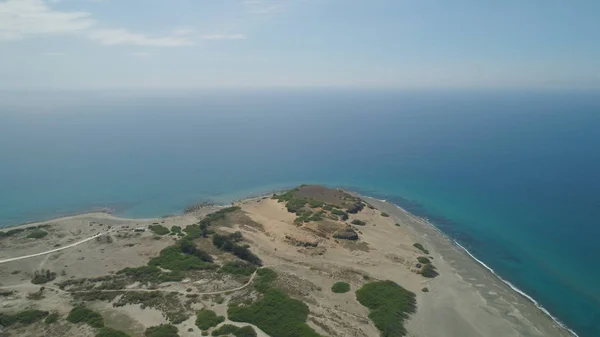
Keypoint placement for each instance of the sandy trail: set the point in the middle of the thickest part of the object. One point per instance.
(53, 250)
(27, 285)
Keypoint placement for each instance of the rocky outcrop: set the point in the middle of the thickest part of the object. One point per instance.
(301, 242)
(346, 234)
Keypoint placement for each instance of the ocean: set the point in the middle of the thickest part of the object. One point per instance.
(512, 176)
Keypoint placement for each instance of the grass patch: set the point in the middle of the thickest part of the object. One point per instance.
(206, 319)
(429, 271)
(159, 229)
(108, 332)
(43, 276)
(37, 234)
(389, 305)
(340, 287)
(238, 268)
(358, 222)
(423, 260)
(24, 317)
(421, 248)
(163, 330)
(81, 314)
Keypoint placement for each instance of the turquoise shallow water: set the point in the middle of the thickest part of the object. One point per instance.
(512, 176)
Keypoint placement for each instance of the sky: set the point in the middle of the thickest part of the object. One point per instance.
(91, 44)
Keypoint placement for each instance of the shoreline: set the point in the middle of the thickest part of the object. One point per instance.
(515, 289)
(106, 213)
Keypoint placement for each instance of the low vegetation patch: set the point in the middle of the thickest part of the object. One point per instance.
(340, 287)
(163, 330)
(206, 319)
(108, 332)
(385, 215)
(81, 314)
(343, 215)
(423, 260)
(276, 314)
(429, 271)
(37, 234)
(229, 243)
(389, 306)
(43, 276)
(183, 256)
(176, 230)
(421, 248)
(52, 318)
(24, 317)
(229, 329)
(238, 268)
(358, 222)
(159, 229)
(151, 274)
(168, 303)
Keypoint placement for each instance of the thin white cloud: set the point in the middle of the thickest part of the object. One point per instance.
(28, 18)
(223, 37)
(20, 19)
(113, 37)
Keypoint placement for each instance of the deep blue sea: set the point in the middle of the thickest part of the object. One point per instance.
(514, 176)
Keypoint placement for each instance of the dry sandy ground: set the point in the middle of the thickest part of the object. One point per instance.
(464, 301)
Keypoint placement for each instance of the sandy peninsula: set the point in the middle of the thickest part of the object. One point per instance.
(331, 237)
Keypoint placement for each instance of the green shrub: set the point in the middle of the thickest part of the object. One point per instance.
(355, 208)
(384, 214)
(421, 248)
(204, 333)
(108, 332)
(206, 319)
(43, 276)
(423, 260)
(264, 278)
(389, 306)
(328, 207)
(340, 287)
(425, 290)
(343, 215)
(226, 329)
(151, 274)
(163, 330)
(37, 234)
(173, 258)
(276, 314)
(397, 224)
(52, 318)
(176, 230)
(23, 317)
(246, 331)
(315, 203)
(429, 271)
(238, 268)
(295, 205)
(358, 222)
(159, 229)
(228, 243)
(81, 314)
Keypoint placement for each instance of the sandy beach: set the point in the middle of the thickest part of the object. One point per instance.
(465, 300)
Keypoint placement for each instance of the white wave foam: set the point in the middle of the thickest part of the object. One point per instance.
(514, 288)
(519, 291)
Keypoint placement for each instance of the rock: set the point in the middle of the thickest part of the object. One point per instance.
(346, 234)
